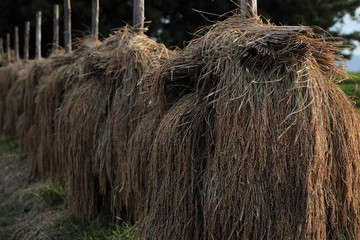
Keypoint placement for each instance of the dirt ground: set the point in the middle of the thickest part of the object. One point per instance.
(25, 211)
(40, 210)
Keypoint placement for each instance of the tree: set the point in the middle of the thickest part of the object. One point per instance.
(322, 13)
(173, 22)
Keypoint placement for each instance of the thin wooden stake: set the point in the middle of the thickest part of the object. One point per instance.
(248, 7)
(56, 27)
(26, 41)
(95, 19)
(1, 47)
(38, 36)
(139, 15)
(8, 50)
(67, 42)
(16, 44)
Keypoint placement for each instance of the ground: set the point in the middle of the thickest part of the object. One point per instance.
(39, 209)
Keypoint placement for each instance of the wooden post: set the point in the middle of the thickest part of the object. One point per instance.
(67, 42)
(1, 47)
(139, 15)
(26, 41)
(95, 20)
(38, 36)
(248, 7)
(56, 27)
(16, 44)
(8, 50)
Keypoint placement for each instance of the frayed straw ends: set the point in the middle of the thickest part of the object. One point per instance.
(253, 139)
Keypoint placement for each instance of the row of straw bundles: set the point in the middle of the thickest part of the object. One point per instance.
(249, 137)
(8, 77)
(59, 75)
(98, 116)
(74, 114)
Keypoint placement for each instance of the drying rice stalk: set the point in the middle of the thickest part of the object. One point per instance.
(109, 79)
(50, 80)
(14, 101)
(57, 79)
(8, 76)
(250, 137)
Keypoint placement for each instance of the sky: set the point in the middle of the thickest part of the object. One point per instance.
(349, 25)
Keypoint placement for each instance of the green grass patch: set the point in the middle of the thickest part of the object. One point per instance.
(53, 194)
(8, 146)
(124, 232)
(351, 88)
(95, 229)
(78, 228)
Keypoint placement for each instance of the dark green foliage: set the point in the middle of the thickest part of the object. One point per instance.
(171, 21)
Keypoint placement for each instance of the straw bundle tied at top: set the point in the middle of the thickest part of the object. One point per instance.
(107, 96)
(8, 76)
(249, 137)
(14, 118)
(61, 72)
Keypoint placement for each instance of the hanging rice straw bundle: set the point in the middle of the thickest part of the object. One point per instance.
(40, 158)
(8, 76)
(250, 137)
(60, 72)
(25, 126)
(130, 103)
(14, 101)
(85, 118)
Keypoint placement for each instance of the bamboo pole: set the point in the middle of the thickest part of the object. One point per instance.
(95, 20)
(67, 42)
(38, 36)
(248, 7)
(26, 41)
(1, 47)
(8, 50)
(56, 27)
(16, 44)
(139, 15)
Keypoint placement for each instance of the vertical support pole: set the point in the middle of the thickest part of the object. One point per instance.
(8, 50)
(248, 7)
(38, 36)
(139, 15)
(95, 20)
(67, 42)
(16, 44)
(1, 47)
(56, 27)
(26, 41)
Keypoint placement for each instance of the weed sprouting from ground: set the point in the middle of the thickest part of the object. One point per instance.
(95, 229)
(53, 194)
(41, 209)
(7, 146)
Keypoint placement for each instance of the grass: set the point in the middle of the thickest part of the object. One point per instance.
(52, 204)
(350, 87)
(79, 229)
(52, 194)
(95, 229)
(8, 146)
